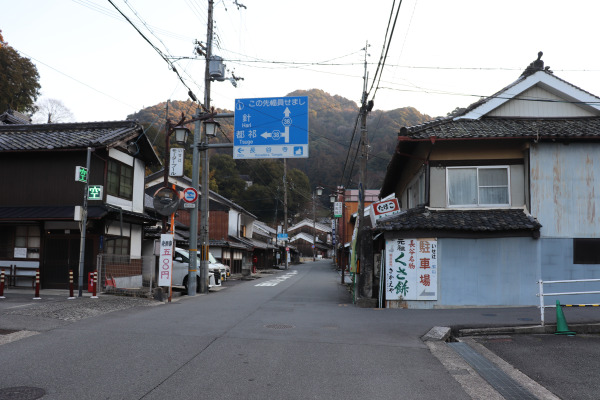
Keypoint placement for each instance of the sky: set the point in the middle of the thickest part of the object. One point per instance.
(442, 54)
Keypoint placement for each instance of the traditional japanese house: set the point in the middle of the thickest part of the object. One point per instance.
(496, 198)
(42, 196)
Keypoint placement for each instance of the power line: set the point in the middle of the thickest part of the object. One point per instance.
(162, 55)
(110, 13)
(389, 42)
(76, 80)
(591, 103)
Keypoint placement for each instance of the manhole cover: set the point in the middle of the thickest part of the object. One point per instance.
(279, 326)
(489, 315)
(21, 393)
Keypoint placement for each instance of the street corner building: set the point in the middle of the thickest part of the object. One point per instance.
(495, 198)
(44, 170)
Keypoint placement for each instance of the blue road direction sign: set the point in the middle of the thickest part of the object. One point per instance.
(271, 127)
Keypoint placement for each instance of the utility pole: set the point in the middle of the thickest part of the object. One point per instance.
(83, 228)
(204, 200)
(364, 242)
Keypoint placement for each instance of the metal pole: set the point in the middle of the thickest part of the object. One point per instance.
(541, 294)
(84, 222)
(343, 236)
(285, 221)
(204, 200)
(193, 248)
(314, 228)
(167, 161)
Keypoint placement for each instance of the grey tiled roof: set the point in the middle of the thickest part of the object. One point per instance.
(492, 220)
(64, 136)
(532, 128)
(14, 117)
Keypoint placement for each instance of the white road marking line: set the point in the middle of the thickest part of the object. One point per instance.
(277, 280)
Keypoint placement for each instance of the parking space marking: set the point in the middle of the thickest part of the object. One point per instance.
(277, 280)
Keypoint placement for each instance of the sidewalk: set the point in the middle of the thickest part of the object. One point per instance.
(19, 311)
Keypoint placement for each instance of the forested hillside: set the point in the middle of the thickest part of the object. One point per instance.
(333, 145)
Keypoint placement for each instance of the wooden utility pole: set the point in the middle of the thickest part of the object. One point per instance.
(204, 199)
(365, 243)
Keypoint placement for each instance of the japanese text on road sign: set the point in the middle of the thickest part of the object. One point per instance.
(274, 127)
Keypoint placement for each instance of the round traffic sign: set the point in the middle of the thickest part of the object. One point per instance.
(190, 195)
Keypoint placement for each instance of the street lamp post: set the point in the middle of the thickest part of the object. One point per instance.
(319, 192)
(335, 242)
(181, 134)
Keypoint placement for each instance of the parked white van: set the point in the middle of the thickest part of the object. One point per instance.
(225, 270)
(181, 265)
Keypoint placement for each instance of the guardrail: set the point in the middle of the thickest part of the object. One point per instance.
(541, 294)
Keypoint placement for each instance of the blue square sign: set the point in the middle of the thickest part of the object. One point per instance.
(271, 127)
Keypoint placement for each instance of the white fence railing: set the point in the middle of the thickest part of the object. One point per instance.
(541, 293)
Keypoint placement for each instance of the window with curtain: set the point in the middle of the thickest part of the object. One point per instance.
(118, 246)
(28, 237)
(120, 180)
(478, 186)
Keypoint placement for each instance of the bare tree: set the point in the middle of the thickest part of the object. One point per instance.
(51, 111)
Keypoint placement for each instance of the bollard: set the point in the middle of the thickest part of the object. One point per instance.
(94, 284)
(2, 285)
(37, 285)
(71, 296)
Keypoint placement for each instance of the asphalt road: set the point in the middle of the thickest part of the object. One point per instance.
(568, 366)
(292, 335)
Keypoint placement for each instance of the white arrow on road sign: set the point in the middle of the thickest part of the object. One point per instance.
(261, 123)
(276, 135)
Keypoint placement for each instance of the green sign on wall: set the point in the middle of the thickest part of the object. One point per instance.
(81, 174)
(95, 192)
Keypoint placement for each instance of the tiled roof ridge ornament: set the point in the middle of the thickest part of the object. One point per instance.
(535, 66)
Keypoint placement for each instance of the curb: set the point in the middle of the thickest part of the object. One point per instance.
(531, 329)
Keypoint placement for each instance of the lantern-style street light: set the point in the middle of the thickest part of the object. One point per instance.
(318, 191)
(181, 134)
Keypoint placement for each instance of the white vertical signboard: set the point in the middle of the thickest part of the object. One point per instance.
(411, 269)
(165, 261)
(176, 161)
(337, 209)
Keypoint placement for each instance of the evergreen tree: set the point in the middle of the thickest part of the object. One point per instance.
(19, 81)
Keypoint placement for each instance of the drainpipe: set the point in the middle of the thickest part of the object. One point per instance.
(428, 172)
